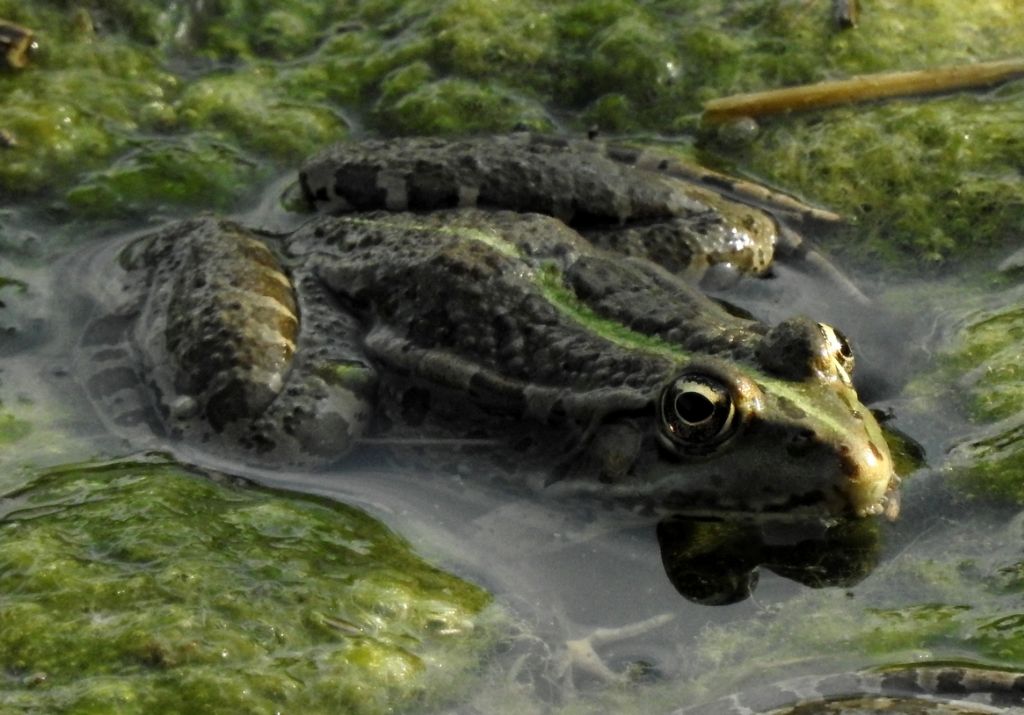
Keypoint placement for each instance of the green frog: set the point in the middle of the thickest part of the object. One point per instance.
(526, 300)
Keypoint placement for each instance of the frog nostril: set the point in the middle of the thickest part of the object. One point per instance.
(801, 442)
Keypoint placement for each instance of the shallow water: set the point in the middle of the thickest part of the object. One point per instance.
(114, 122)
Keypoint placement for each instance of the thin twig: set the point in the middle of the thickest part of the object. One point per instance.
(862, 88)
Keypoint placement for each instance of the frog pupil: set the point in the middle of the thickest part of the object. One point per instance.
(844, 346)
(694, 408)
(697, 414)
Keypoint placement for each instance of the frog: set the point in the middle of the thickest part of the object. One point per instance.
(923, 689)
(525, 301)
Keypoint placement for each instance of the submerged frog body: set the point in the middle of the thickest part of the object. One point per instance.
(921, 690)
(577, 354)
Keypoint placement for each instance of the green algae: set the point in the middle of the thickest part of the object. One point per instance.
(197, 170)
(143, 587)
(987, 361)
(977, 380)
(989, 465)
(452, 106)
(111, 74)
(247, 110)
(12, 428)
(952, 190)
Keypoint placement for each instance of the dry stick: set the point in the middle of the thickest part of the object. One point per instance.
(862, 89)
(16, 43)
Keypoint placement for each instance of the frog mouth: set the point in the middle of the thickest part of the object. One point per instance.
(823, 506)
(889, 505)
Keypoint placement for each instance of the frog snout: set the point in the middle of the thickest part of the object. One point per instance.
(868, 472)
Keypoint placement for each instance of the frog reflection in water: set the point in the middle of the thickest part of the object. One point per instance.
(525, 293)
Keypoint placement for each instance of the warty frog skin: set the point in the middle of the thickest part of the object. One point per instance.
(525, 299)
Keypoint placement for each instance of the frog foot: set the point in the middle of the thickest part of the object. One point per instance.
(583, 662)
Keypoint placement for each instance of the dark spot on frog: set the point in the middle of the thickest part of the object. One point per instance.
(236, 400)
(431, 187)
(112, 380)
(260, 442)
(848, 466)
(312, 197)
(358, 186)
(790, 408)
(415, 405)
(624, 155)
(801, 443)
(902, 682)
(718, 182)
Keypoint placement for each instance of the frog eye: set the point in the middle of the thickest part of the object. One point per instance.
(839, 347)
(697, 413)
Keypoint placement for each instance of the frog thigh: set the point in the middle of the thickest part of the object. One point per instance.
(218, 322)
(689, 245)
(112, 379)
(327, 401)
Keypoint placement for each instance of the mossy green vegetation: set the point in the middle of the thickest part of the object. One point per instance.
(12, 428)
(981, 365)
(144, 588)
(197, 170)
(921, 179)
(986, 359)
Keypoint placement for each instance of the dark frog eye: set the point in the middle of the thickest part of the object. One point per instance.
(839, 347)
(697, 413)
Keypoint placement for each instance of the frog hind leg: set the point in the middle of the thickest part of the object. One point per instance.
(112, 380)
(689, 246)
(327, 401)
(221, 346)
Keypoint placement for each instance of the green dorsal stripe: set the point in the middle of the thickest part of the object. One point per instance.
(549, 281)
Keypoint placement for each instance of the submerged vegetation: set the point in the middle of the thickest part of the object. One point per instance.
(980, 373)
